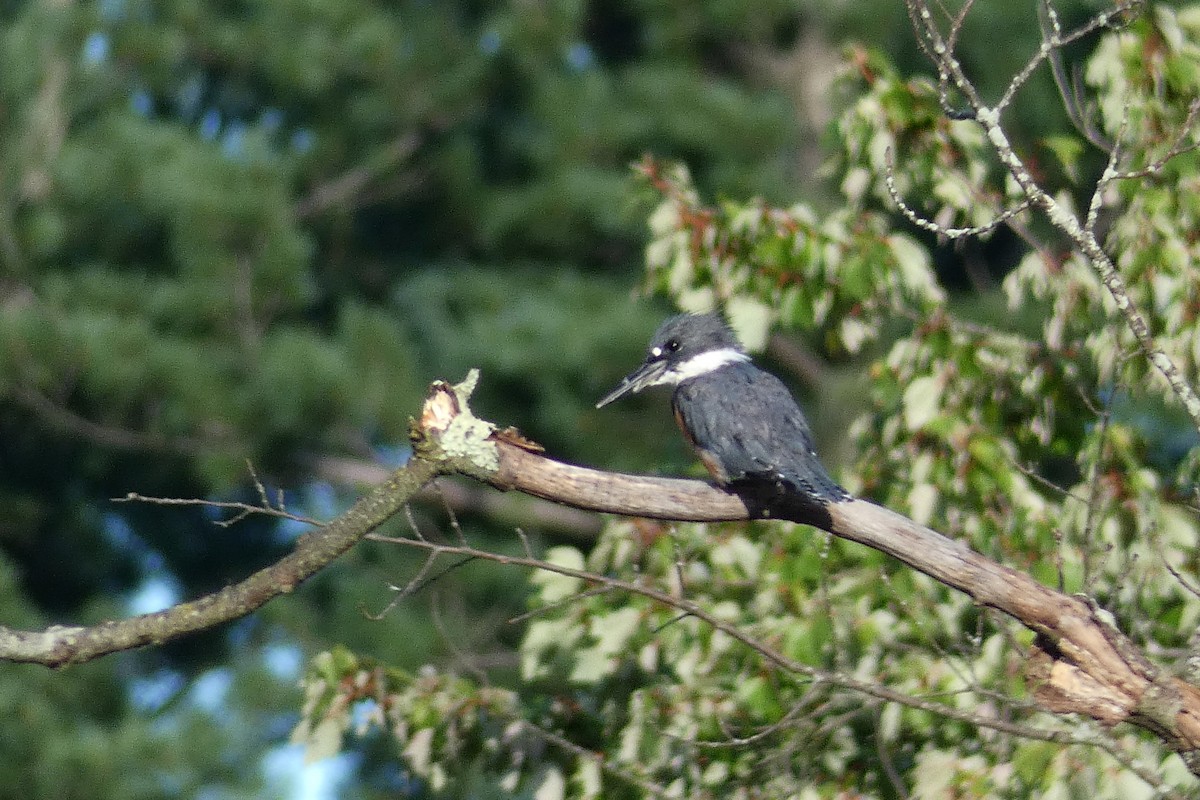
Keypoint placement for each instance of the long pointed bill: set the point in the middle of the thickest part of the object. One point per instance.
(647, 374)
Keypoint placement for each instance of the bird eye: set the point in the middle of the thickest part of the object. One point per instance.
(673, 345)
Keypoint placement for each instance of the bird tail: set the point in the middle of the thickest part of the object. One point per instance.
(813, 482)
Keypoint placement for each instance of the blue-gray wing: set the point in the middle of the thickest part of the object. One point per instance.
(748, 422)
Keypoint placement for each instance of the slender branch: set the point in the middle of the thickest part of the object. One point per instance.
(60, 645)
(815, 675)
(1080, 662)
(344, 190)
(951, 73)
(64, 419)
(778, 659)
(244, 509)
(467, 497)
(1070, 87)
(937, 228)
(1179, 145)
(1053, 40)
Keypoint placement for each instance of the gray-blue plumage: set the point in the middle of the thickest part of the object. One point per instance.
(745, 422)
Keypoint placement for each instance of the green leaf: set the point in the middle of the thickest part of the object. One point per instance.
(922, 401)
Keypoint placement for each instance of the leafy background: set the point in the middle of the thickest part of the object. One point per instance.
(254, 232)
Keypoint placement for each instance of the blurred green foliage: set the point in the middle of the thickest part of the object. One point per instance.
(254, 232)
(1036, 436)
(237, 232)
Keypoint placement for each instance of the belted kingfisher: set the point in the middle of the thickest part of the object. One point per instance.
(742, 421)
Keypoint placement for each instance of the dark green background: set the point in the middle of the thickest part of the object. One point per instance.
(255, 231)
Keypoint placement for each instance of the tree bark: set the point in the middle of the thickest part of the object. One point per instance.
(1080, 662)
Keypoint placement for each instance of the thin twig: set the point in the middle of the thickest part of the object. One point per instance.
(1179, 146)
(454, 524)
(885, 758)
(412, 522)
(791, 666)
(1091, 508)
(951, 70)
(595, 591)
(403, 591)
(1053, 41)
(244, 509)
(937, 228)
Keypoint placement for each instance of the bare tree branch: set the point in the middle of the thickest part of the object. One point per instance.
(779, 660)
(1080, 662)
(61, 644)
(467, 497)
(346, 189)
(1001, 218)
(940, 49)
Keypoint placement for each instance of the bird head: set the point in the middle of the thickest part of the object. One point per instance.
(686, 346)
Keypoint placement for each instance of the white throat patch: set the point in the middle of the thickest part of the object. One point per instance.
(701, 364)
